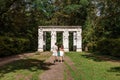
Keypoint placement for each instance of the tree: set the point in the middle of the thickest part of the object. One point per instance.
(102, 25)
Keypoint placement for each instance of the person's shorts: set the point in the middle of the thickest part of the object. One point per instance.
(61, 53)
(54, 54)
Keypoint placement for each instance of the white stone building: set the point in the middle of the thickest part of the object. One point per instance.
(77, 37)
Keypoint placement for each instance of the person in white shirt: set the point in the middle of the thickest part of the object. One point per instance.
(55, 51)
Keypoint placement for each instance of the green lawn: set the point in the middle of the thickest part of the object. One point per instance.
(90, 67)
(28, 68)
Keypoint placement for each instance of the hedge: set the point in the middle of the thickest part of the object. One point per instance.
(12, 46)
(109, 47)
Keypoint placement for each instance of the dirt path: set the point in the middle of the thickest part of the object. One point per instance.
(55, 72)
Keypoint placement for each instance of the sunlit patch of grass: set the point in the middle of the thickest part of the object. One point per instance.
(28, 68)
(92, 68)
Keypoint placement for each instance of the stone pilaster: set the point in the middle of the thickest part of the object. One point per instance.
(66, 40)
(40, 40)
(53, 38)
(79, 41)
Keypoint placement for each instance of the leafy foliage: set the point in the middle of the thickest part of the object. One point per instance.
(102, 25)
(100, 19)
(109, 47)
(10, 46)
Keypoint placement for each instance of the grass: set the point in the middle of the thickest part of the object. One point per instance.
(90, 67)
(65, 75)
(28, 68)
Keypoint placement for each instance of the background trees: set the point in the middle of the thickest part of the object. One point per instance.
(19, 20)
(101, 33)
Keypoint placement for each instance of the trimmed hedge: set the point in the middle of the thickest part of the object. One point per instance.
(11, 46)
(109, 47)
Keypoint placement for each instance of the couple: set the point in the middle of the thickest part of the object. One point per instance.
(58, 52)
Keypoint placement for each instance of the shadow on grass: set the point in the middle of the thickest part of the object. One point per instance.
(115, 69)
(91, 56)
(24, 64)
(99, 58)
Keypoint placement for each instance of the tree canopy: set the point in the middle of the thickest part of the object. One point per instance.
(19, 21)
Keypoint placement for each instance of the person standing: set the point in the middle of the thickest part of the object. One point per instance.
(61, 53)
(54, 51)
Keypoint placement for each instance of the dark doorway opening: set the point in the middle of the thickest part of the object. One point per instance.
(48, 41)
(59, 38)
(70, 41)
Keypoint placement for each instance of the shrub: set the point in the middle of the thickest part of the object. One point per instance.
(109, 47)
(11, 46)
(115, 49)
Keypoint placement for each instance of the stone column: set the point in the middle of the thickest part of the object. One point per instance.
(74, 41)
(53, 38)
(40, 40)
(79, 40)
(66, 40)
